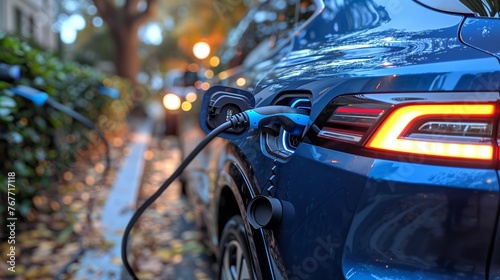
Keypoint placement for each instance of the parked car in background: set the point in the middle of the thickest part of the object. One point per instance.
(396, 175)
(178, 95)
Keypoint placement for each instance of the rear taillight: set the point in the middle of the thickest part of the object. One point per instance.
(443, 130)
(430, 124)
(351, 122)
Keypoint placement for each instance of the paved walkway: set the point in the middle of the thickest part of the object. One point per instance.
(106, 264)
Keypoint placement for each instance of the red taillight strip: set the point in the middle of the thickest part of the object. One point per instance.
(388, 135)
(361, 111)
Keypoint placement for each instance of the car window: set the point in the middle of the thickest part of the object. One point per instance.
(263, 29)
(483, 8)
(479, 8)
(345, 17)
(306, 10)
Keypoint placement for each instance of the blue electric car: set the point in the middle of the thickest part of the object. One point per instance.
(396, 174)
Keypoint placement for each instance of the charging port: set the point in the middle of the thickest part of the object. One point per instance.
(279, 143)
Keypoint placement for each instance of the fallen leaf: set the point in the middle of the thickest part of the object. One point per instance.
(35, 272)
(151, 265)
(69, 249)
(116, 260)
(164, 254)
(146, 275)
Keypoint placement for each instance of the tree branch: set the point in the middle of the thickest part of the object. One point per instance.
(130, 7)
(107, 11)
(150, 11)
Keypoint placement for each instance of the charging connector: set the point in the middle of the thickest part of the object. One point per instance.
(292, 120)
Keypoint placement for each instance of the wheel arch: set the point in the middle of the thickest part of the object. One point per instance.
(235, 192)
(227, 208)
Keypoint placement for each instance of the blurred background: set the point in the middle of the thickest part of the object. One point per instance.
(136, 39)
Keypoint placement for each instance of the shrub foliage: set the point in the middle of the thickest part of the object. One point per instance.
(40, 143)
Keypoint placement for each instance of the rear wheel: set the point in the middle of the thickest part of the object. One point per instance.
(171, 123)
(234, 262)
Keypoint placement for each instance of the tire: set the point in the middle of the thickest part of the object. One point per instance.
(234, 262)
(182, 181)
(171, 123)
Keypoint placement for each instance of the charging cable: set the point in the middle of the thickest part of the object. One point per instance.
(40, 98)
(12, 73)
(292, 120)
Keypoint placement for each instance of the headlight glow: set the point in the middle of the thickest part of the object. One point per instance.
(171, 101)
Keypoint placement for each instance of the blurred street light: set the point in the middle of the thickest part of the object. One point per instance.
(214, 61)
(186, 106)
(191, 97)
(241, 81)
(201, 50)
(171, 101)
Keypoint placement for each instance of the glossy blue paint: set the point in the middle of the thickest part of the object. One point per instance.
(409, 217)
(436, 220)
(369, 216)
(480, 33)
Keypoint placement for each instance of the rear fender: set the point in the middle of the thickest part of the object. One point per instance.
(236, 175)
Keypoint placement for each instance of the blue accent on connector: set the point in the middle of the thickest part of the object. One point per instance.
(109, 91)
(255, 118)
(37, 97)
(286, 136)
(294, 123)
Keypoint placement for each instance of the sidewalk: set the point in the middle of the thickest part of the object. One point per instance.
(118, 208)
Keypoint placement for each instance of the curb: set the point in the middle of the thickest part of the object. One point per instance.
(118, 209)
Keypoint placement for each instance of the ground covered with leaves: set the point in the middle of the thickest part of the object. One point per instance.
(165, 243)
(65, 218)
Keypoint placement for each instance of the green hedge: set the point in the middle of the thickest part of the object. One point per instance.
(39, 143)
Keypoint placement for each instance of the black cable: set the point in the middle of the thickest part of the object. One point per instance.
(235, 121)
(86, 122)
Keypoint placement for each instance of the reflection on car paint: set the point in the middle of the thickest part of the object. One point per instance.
(360, 216)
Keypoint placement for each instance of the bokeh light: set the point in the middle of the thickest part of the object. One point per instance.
(209, 74)
(241, 82)
(191, 97)
(171, 101)
(205, 86)
(214, 61)
(201, 50)
(186, 106)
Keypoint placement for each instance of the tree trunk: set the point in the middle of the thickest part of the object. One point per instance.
(127, 61)
(123, 25)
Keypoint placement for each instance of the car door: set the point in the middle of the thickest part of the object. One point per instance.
(358, 215)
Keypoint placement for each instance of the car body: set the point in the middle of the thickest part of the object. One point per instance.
(424, 205)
